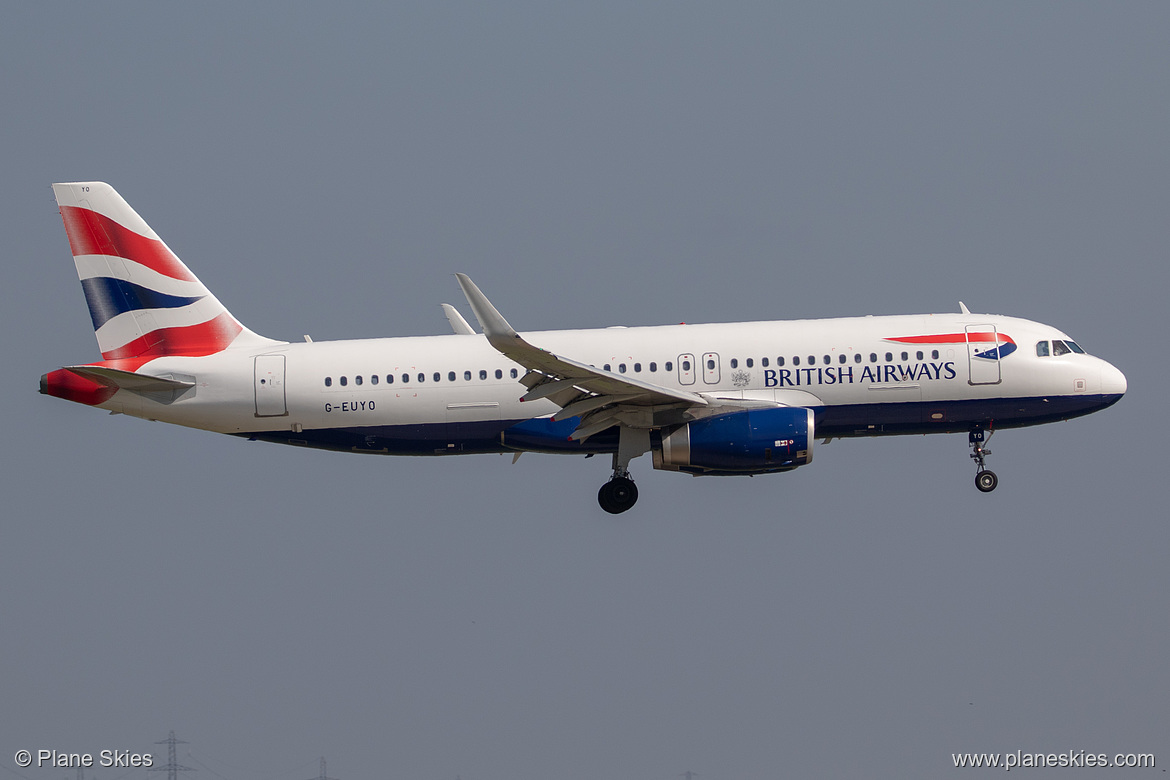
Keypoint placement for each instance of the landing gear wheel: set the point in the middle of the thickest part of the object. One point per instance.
(617, 495)
(986, 481)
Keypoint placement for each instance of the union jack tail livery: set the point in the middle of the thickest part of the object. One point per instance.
(143, 301)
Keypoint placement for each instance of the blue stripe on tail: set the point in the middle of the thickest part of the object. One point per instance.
(107, 298)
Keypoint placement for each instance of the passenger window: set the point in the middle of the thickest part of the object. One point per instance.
(889, 357)
(1059, 348)
(856, 357)
(514, 374)
(374, 379)
(466, 376)
(482, 374)
(357, 380)
(1041, 349)
(749, 362)
(764, 362)
(344, 381)
(406, 379)
(437, 376)
(637, 368)
(686, 365)
(920, 355)
(872, 357)
(812, 360)
(607, 367)
(734, 363)
(329, 381)
(905, 356)
(841, 358)
(796, 360)
(499, 374)
(710, 365)
(653, 367)
(934, 354)
(779, 361)
(828, 360)
(668, 365)
(621, 368)
(389, 379)
(450, 376)
(421, 377)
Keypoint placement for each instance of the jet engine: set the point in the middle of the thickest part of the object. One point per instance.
(752, 441)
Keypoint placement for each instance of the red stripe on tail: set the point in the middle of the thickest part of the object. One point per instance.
(91, 233)
(206, 338)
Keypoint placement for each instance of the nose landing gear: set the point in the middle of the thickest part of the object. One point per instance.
(985, 479)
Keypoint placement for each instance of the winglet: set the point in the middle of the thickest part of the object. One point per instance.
(458, 325)
(499, 333)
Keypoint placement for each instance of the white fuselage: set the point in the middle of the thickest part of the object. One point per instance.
(455, 393)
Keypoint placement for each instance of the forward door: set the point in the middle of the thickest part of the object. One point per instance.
(983, 355)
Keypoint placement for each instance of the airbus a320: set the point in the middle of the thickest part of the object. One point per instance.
(741, 398)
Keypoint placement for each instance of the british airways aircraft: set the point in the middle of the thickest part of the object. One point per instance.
(718, 399)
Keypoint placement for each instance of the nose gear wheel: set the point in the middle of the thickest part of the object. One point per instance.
(985, 479)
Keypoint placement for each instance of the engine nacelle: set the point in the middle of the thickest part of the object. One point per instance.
(752, 441)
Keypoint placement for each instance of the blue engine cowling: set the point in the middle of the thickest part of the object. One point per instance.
(754, 441)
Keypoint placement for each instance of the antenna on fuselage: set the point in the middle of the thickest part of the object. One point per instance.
(963, 308)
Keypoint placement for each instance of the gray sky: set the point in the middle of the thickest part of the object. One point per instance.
(326, 168)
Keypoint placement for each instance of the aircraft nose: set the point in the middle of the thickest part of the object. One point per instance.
(1112, 380)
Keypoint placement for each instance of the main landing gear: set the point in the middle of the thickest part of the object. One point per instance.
(617, 495)
(985, 480)
(620, 493)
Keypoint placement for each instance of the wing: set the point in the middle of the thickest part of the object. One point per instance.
(600, 398)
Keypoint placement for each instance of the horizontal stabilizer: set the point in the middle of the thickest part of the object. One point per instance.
(93, 385)
(128, 380)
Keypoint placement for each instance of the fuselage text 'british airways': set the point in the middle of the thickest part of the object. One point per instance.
(848, 375)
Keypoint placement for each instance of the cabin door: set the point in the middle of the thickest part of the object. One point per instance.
(269, 381)
(983, 355)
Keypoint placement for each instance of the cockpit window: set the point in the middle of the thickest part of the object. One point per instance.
(1075, 347)
(1059, 348)
(1041, 349)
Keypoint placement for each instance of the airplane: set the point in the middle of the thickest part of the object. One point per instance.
(736, 398)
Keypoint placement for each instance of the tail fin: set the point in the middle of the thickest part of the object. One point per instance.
(143, 301)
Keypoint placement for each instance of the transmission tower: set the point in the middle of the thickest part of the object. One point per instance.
(172, 767)
(323, 776)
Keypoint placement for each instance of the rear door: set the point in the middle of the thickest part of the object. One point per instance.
(269, 381)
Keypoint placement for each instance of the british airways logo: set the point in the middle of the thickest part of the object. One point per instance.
(985, 345)
(848, 375)
(1000, 345)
